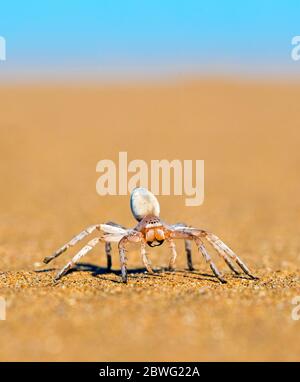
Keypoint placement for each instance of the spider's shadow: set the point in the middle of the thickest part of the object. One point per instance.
(209, 276)
(96, 271)
(158, 272)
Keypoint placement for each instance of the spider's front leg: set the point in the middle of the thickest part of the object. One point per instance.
(108, 244)
(108, 255)
(227, 253)
(173, 255)
(188, 250)
(87, 248)
(184, 234)
(112, 232)
(222, 249)
(133, 237)
(88, 231)
(187, 246)
(145, 258)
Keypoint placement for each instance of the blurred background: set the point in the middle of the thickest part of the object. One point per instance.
(84, 80)
(123, 40)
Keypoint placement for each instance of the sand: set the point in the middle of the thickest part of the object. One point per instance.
(51, 140)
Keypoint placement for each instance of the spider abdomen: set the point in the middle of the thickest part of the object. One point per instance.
(143, 203)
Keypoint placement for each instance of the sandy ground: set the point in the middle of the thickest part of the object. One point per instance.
(52, 138)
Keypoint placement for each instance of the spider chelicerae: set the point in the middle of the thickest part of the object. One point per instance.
(150, 230)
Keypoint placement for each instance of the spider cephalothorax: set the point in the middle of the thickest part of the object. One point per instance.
(152, 231)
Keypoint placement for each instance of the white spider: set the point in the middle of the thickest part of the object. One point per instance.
(152, 231)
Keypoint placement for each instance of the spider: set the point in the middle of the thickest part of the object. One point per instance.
(152, 231)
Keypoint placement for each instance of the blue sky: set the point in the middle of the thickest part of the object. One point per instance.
(130, 37)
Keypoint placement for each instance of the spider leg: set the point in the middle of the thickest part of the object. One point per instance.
(91, 244)
(108, 246)
(187, 245)
(72, 242)
(173, 255)
(133, 236)
(188, 250)
(108, 255)
(208, 259)
(221, 253)
(227, 253)
(222, 249)
(185, 234)
(145, 258)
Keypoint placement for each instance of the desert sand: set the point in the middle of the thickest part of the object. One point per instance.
(51, 140)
